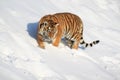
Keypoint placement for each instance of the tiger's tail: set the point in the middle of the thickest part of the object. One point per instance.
(88, 44)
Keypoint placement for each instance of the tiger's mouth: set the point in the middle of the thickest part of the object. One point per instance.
(47, 39)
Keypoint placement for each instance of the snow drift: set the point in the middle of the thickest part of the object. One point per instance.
(22, 59)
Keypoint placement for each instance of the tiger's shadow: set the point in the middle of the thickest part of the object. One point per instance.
(32, 29)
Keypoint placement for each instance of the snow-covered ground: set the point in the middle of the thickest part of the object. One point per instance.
(22, 59)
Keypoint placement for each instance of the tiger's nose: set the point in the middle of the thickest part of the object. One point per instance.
(45, 37)
(44, 33)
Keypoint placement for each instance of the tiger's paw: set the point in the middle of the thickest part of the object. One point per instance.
(75, 47)
(41, 46)
(55, 44)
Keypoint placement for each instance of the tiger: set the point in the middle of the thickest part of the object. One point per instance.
(55, 27)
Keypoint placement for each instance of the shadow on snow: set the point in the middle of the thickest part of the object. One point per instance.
(32, 29)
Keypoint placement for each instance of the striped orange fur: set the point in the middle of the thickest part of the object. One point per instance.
(54, 27)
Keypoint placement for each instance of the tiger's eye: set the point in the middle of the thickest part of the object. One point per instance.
(45, 23)
(49, 28)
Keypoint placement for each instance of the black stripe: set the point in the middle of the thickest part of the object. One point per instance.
(73, 36)
(41, 25)
(91, 44)
(97, 41)
(81, 38)
(67, 23)
(76, 36)
(83, 42)
(86, 45)
(94, 42)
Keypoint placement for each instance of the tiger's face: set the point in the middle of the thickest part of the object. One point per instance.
(48, 30)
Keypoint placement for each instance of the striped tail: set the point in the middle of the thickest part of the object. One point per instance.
(88, 44)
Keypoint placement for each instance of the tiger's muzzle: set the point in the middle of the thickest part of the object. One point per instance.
(46, 38)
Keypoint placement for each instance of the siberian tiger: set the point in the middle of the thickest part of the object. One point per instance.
(53, 28)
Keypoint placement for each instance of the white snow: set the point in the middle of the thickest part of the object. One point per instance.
(22, 59)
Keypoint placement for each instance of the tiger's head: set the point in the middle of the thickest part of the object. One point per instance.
(48, 30)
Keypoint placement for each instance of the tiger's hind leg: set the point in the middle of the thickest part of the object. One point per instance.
(69, 42)
(76, 42)
(75, 45)
(72, 44)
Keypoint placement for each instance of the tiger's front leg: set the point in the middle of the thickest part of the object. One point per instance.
(40, 41)
(57, 39)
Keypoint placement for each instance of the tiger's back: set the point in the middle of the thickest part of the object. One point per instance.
(70, 27)
(71, 24)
